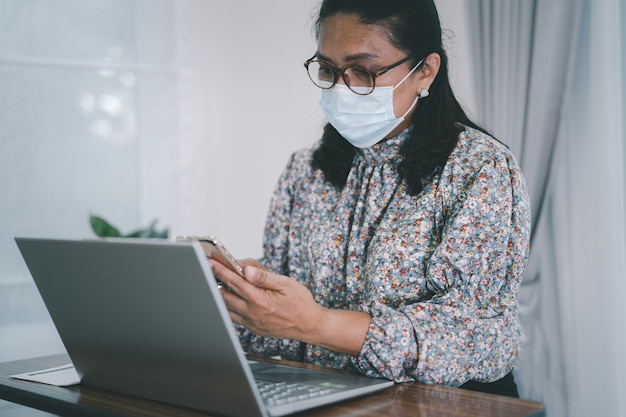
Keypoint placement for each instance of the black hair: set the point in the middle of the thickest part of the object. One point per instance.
(413, 27)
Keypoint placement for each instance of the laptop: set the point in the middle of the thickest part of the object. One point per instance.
(144, 317)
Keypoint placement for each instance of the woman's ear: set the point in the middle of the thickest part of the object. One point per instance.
(428, 72)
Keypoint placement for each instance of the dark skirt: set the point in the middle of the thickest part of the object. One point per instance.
(505, 386)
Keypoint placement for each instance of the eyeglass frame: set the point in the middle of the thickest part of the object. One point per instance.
(341, 72)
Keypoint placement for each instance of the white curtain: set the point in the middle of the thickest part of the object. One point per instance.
(523, 52)
(550, 84)
(587, 216)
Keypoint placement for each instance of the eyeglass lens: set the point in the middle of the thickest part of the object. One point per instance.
(357, 79)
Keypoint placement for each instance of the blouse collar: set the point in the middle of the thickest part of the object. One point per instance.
(383, 151)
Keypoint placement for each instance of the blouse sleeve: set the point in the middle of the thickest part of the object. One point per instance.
(469, 328)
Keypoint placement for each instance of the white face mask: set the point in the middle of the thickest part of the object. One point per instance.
(363, 120)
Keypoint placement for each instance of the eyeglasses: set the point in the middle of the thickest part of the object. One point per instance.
(358, 79)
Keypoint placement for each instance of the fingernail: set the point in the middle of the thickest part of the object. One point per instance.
(251, 272)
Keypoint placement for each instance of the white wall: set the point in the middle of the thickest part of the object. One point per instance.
(454, 22)
(258, 123)
(73, 76)
(259, 108)
(179, 110)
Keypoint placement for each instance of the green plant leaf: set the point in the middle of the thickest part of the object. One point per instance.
(150, 232)
(163, 234)
(102, 228)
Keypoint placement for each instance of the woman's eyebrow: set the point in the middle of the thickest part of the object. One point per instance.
(349, 58)
(361, 55)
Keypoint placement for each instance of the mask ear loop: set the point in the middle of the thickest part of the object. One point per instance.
(407, 76)
(412, 105)
(422, 94)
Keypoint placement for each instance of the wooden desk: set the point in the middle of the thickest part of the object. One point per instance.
(415, 399)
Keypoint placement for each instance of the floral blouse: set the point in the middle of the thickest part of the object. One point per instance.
(438, 273)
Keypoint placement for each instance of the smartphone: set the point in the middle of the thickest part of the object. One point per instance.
(213, 248)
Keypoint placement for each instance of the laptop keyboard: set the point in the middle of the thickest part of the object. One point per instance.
(278, 393)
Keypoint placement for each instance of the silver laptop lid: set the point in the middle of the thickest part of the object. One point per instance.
(144, 318)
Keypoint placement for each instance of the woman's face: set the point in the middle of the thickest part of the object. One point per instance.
(344, 41)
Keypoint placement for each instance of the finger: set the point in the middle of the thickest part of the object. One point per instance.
(250, 262)
(262, 278)
(232, 300)
(248, 288)
(235, 305)
(236, 318)
(230, 279)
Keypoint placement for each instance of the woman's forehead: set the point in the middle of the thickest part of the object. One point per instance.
(344, 39)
